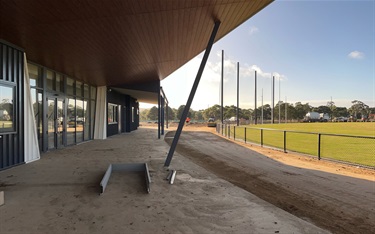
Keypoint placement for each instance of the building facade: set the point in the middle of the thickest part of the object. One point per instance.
(75, 71)
(63, 110)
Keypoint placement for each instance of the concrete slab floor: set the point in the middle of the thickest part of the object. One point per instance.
(60, 194)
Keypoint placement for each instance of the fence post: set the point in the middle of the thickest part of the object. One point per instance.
(229, 131)
(234, 133)
(284, 141)
(319, 137)
(245, 135)
(261, 137)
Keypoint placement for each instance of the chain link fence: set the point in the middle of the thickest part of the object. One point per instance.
(349, 149)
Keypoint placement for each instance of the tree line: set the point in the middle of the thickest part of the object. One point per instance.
(296, 111)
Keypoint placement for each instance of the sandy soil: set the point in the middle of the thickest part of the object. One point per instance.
(290, 158)
(333, 196)
(60, 194)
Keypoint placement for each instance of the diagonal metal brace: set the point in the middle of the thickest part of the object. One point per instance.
(191, 96)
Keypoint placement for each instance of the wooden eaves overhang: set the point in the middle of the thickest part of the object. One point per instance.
(118, 42)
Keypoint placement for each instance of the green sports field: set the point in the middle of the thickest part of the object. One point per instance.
(356, 146)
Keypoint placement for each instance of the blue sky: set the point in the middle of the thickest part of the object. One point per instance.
(316, 50)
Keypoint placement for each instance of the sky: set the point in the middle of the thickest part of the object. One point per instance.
(318, 51)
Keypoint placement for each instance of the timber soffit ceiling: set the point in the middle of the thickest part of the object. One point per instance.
(118, 42)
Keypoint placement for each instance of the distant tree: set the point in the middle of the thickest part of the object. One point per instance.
(331, 105)
(180, 110)
(279, 106)
(340, 112)
(322, 109)
(230, 111)
(143, 114)
(246, 113)
(291, 111)
(171, 113)
(266, 112)
(153, 113)
(212, 112)
(198, 115)
(359, 109)
(301, 110)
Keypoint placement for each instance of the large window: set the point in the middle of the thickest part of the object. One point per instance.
(55, 81)
(112, 113)
(86, 120)
(37, 98)
(79, 89)
(133, 115)
(6, 108)
(71, 121)
(80, 120)
(70, 86)
(78, 114)
(36, 84)
(92, 109)
(35, 75)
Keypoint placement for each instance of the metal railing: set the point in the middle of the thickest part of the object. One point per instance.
(349, 149)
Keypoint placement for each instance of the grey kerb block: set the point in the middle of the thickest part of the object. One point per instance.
(129, 167)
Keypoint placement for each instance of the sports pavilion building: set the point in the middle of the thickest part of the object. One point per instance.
(73, 71)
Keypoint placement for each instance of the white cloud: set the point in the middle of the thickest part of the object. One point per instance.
(253, 30)
(178, 85)
(356, 55)
(260, 72)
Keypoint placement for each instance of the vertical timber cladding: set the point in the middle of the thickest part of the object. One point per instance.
(129, 116)
(11, 106)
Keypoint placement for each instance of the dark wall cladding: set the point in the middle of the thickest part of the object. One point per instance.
(11, 75)
(127, 103)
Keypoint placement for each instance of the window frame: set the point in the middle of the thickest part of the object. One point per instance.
(112, 108)
(12, 129)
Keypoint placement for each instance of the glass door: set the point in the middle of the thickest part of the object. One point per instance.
(56, 119)
(51, 116)
(60, 123)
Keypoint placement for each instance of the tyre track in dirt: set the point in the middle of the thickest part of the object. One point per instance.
(337, 203)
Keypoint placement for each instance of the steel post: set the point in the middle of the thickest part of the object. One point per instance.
(222, 87)
(191, 96)
(167, 113)
(162, 115)
(245, 134)
(238, 94)
(255, 102)
(273, 100)
(159, 111)
(319, 139)
(284, 141)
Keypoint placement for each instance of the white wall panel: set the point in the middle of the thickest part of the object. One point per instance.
(30, 136)
(100, 129)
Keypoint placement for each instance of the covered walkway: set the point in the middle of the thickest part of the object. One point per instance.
(60, 193)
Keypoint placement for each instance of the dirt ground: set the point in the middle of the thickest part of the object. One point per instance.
(334, 196)
(60, 194)
(290, 158)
